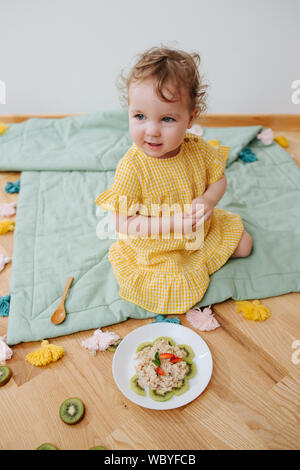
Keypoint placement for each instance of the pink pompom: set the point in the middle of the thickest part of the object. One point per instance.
(100, 341)
(266, 136)
(196, 129)
(202, 320)
(91, 344)
(5, 351)
(6, 210)
(3, 261)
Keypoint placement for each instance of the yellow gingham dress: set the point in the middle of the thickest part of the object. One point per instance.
(169, 274)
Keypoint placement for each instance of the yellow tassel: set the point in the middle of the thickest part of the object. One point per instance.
(3, 128)
(6, 225)
(213, 143)
(281, 140)
(253, 310)
(46, 354)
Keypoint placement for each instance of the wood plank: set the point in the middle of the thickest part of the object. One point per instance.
(275, 121)
(288, 122)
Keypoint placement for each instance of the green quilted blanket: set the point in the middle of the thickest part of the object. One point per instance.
(59, 230)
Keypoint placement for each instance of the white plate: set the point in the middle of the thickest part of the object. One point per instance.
(123, 363)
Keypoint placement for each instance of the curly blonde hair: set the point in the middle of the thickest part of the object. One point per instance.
(168, 65)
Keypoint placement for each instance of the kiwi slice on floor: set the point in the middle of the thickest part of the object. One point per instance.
(192, 370)
(47, 446)
(143, 346)
(71, 410)
(182, 387)
(135, 386)
(188, 352)
(114, 346)
(5, 375)
(170, 340)
(98, 448)
(159, 396)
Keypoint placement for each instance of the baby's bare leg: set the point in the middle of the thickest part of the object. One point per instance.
(244, 247)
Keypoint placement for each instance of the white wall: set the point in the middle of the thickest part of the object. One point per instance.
(63, 56)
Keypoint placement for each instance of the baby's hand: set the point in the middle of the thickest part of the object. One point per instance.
(207, 206)
(187, 223)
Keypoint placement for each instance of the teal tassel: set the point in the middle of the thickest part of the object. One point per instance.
(4, 306)
(247, 155)
(11, 187)
(162, 318)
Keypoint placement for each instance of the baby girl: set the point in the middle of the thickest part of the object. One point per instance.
(170, 235)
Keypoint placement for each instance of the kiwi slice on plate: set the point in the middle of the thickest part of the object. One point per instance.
(143, 346)
(155, 395)
(192, 370)
(188, 352)
(5, 375)
(98, 448)
(114, 346)
(136, 387)
(72, 410)
(47, 446)
(182, 387)
(170, 340)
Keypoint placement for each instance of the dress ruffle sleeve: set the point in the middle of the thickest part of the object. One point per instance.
(125, 194)
(215, 161)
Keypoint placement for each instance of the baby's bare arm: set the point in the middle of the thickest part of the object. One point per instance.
(140, 225)
(208, 201)
(215, 191)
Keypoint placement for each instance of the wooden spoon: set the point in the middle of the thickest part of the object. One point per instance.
(60, 313)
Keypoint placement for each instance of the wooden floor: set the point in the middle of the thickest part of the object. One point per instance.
(252, 401)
